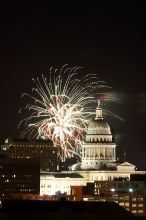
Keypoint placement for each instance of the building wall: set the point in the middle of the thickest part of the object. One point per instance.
(103, 175)
(120, 186)
(77, 193)
(19, 175)
(106, 175)
(49, 185)
(26, 149)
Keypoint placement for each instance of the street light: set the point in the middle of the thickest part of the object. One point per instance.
(112, 189)
(130, 190)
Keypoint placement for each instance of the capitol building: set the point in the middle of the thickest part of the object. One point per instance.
(98, 161)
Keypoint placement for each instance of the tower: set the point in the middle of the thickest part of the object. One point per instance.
(98, 149)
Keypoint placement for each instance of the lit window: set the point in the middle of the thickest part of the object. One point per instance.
(140, 211)
(121, 197)
(114, 196)
(133, 205)
(140, 199)
(140, 205)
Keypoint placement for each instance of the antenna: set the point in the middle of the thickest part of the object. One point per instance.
(125, 154)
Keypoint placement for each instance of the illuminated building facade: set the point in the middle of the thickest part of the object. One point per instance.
(42, 150)
(59, 183)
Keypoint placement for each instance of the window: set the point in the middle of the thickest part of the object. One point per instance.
(133, 211)
(115, 196)
(85, 199)
(121, 197)
(140, 199)
(140, 205)
(134, 199)
(140, 211)
(121, 203)
(133, 205)
(126, 203)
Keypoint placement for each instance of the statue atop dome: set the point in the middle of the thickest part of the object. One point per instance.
(98, 101)
(98, 111)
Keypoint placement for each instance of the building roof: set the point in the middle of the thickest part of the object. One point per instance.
(126, 164)
(62, 175)
(10, 140)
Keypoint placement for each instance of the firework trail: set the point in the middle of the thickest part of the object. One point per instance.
(60, 109)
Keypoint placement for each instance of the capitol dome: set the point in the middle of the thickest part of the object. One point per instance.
(98, 126)
(98, 129)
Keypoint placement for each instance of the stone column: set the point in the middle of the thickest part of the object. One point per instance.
(99, 152)
(94, 152)
(114, 153)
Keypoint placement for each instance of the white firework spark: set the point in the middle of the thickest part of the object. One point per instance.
(61, 108)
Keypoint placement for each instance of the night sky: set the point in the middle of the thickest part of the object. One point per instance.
(108, 41)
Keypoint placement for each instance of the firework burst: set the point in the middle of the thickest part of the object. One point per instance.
(61, 106)
(60, 109)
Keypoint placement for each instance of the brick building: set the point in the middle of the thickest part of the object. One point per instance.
(128, 194)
